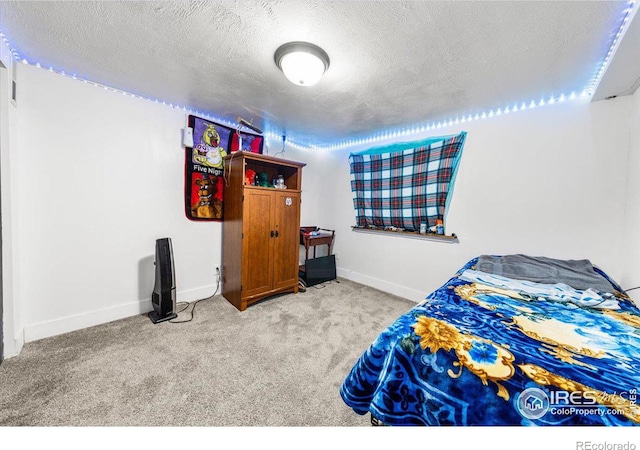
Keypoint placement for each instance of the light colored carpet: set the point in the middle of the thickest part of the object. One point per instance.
(279, 363)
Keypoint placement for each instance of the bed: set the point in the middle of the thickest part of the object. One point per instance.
(509, 340)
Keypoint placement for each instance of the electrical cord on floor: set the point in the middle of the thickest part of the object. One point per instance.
(195, 304)
(323, 285)
(302, 285)
(183, 309)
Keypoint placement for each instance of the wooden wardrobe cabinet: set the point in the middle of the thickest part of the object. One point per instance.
(261, 229)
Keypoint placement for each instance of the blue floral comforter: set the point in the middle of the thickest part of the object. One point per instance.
(480, 354)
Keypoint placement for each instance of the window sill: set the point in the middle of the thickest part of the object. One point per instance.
(449, 239)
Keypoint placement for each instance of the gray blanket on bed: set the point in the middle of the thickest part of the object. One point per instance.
(578, 274)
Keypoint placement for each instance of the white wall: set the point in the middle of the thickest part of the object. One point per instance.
(548, 181)
(13, 337)
(100, 177)
(631, 255)
(97, 177)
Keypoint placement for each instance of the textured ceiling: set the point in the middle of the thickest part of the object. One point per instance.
(393, 63)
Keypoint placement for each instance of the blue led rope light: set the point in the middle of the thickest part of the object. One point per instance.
(628, 14)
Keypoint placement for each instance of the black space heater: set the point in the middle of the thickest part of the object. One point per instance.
(163, 297)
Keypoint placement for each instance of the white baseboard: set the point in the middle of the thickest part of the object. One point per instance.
(34, 332)
(191, 295)
(382, 285)
(13, 347)
(19, 341)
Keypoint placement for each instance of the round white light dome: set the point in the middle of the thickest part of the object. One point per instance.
(302, 63)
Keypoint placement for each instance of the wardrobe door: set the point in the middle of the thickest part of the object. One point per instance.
(257, 242)
(287, 240)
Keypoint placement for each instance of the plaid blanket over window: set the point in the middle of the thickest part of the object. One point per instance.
(404, 187)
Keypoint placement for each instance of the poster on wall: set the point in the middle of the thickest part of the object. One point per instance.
(204, 165)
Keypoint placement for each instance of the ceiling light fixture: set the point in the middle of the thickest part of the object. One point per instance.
(302, 63)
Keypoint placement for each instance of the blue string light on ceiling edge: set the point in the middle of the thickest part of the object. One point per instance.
(628, 13)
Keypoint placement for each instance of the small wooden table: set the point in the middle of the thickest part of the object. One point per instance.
(324, 237)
